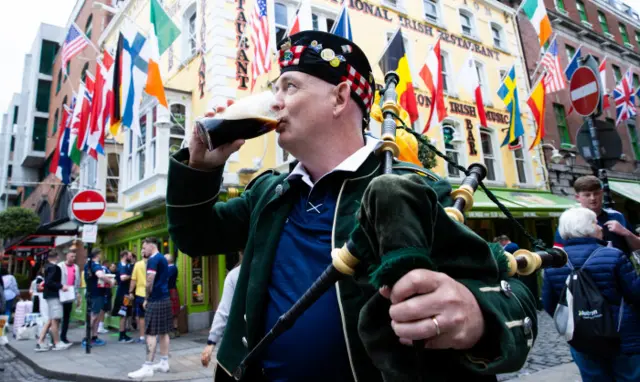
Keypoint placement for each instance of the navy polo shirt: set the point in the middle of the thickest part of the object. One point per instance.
(91, 280)
(616, 240)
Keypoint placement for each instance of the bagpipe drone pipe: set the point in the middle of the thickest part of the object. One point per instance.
(411, 222)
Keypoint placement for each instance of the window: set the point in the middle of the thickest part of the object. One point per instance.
(15, 114)
(113, 177)
(466, 21)
(152, 141)
(13, 144)
(488, 152)
(571, 51)
(55, 122)
(561, 120)
(454, 146)
(636, 81)
(43, 95)
(521, 165)
(482, 80)
(9, 171)
(83, 76)
(616, 72)
(633, 135)
(392, 3)
(68, 70)
(47, 56)
(130, 158)
(282, 21)
(322, 22)
(89, 27)
(39, 138)
(496, 33)
(64, 102)
(638, 38)
(581, 10)
(141, 147)
(560, 5)
(176, 133)
(431, 12)
(444, 57)
(623, 32)
(603, 22)
(59, 82)
(90, 172)
(503, 73)
(189, 26)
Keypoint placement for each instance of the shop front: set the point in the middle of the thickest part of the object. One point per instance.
(626, 198)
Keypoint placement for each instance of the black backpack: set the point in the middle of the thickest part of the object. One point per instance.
(583, 315)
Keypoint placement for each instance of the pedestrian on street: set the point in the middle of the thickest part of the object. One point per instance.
(11, 292)
(70, 278)
(157, 305)
(97, 281)
(137, 293)
(173, 293)
(52, 286)
(288, 224)
(615, 227)
(615, 277)
(123, 280)
(219, 322)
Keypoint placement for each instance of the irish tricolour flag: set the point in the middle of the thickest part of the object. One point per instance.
(537, 14)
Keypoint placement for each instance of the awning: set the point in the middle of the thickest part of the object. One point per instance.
(630, 190)
(44, 237)
(528, 204)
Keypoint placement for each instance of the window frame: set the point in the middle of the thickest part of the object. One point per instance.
(323, 17)
(502, 45)
(623, 33)
(582, 11)
(445, 63)
(111, 177)
(188, 39)
(570, 51)
(277, 25)
(602, 20)
(494, 155)
(524, 160)
(560, 6)
(172, 134)
(458, 148)
(472, 21)
(563, 128)
(481, 72)
(438, 11)
(88, 27)
(617, 73)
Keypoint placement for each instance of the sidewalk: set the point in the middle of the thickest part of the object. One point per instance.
(114, 361)
(562, 373)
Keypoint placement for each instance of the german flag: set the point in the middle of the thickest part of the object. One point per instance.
(395, 58)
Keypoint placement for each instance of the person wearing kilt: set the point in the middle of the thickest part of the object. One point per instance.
(158, 316)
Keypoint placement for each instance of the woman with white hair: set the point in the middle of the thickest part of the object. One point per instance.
(616, 279)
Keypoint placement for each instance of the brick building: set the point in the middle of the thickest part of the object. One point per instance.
(601, 28)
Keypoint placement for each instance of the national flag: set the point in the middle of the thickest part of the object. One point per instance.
(537, 15)
(61, 162)
(55, 156)
(469, 79)
(603, 81)
(508, 92)
(573, 64)
(101, 107)
(116, 110)
(260, 40)
(551, 64)
(73, 44)
(302, 19)
(79, 126)
(536, 103)
(75, 125)
(342, 25)
(625, 98)
(431, 74)
(395, 58)
(164, 32)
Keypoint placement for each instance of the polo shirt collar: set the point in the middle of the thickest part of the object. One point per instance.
(351, 164)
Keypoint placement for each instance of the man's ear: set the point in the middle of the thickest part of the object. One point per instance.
(342, 93)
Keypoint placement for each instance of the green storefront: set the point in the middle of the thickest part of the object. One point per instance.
(200, 278)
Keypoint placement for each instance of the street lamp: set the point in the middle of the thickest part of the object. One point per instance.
(556, 157)
(105, 7)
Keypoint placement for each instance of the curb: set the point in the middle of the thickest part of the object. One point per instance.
(57, 374)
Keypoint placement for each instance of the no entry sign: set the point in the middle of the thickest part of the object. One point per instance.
(88, 206)
(584, 91)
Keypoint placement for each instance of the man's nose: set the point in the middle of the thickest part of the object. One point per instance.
(278, 105)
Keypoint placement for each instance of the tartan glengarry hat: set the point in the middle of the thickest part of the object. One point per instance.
(331, 58)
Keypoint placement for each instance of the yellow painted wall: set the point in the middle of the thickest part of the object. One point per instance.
(371, 22)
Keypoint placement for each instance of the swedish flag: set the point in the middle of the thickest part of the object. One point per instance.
(508, 92)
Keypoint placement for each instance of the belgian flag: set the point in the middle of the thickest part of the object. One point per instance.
(395, 58)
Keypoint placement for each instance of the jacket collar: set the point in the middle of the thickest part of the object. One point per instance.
(585, 240)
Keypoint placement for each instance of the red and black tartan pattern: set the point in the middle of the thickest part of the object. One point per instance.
(360, 86)
(296, 51)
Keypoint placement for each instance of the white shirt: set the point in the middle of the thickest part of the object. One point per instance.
(351, 164)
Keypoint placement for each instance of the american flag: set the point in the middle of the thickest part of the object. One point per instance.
(554, 80)
(73, 44)
(625, 98)
(260, 40)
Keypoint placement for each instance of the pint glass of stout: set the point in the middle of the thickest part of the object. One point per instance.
(249, 118)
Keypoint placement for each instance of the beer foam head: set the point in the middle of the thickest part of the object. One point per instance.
(258, 105)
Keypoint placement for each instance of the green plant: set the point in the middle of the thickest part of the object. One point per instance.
(23, 281)
(427, 157)
(18, 221)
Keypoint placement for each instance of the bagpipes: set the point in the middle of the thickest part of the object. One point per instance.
(455, 250)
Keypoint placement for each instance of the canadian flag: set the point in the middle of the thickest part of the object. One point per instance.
(468, 78)
(431, 74)
(603, 80)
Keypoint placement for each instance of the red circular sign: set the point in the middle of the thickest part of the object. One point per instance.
(584, 91)
(88, 206)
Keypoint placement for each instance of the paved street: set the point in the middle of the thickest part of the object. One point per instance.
(17, 371)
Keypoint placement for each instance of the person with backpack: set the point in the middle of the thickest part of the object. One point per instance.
(595, 301)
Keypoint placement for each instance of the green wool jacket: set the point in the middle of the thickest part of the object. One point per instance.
(253, 222)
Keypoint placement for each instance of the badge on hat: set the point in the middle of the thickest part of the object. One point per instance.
(327, 54)
(286, 45)
(315, 46)
(347, 49)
